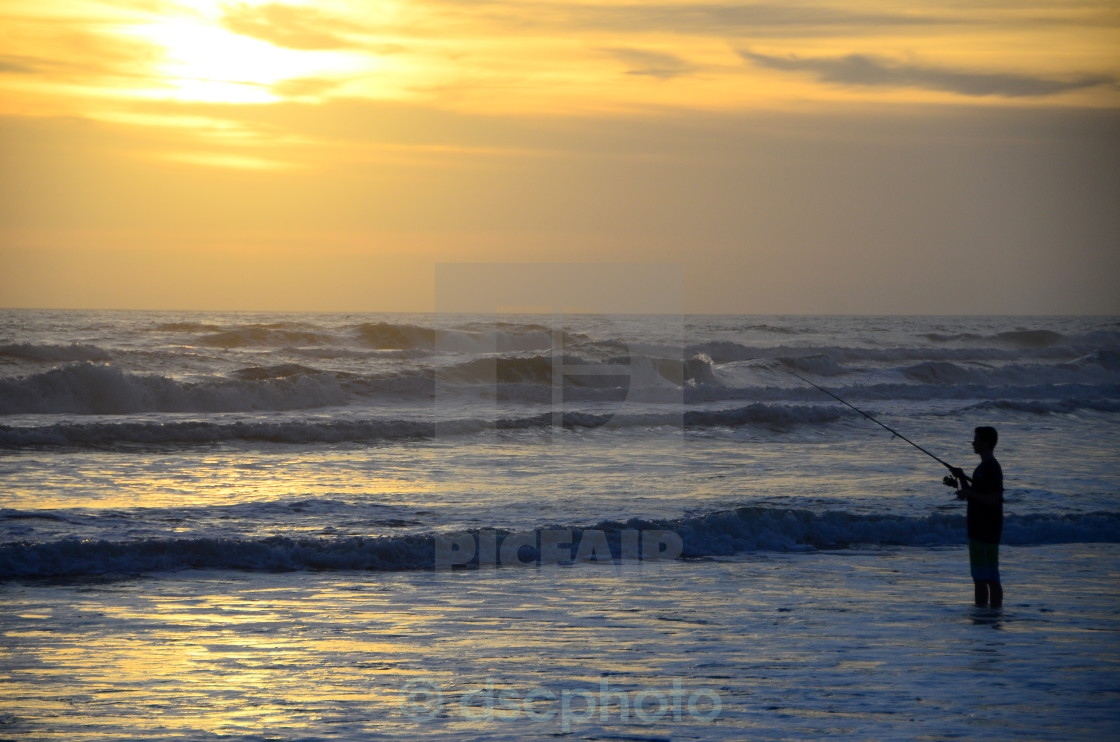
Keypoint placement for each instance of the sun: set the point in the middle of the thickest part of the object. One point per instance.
(203, 61)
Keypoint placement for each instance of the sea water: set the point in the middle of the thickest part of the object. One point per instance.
(231, 525)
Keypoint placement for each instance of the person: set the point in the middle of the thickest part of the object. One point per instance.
(984, 493)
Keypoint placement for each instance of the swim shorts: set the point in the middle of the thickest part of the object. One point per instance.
(983, 558)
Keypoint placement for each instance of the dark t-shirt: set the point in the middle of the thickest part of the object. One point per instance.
(985, 522)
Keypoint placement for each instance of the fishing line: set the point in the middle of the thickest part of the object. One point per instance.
(892, 430)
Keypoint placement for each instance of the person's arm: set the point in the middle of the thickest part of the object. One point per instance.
(967, 491)
(985, 494)
(983, 498)
(962, 479)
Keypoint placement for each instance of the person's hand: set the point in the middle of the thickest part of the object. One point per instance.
(957, 472)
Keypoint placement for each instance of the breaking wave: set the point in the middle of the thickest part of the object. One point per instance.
(110, 434)
(55, 353)
(745, 529)
(279, 334)
(187, 327)
(1101, 367)
(86, 388)
(1049, 407)
(725, 351)
(100, 389)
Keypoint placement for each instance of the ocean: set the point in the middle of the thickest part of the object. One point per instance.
(283, 526)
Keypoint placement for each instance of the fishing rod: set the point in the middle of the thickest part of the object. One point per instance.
(892, 430)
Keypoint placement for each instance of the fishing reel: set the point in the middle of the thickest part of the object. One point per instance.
(949, 481)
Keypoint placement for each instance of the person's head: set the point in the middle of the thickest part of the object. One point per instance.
(985, 439)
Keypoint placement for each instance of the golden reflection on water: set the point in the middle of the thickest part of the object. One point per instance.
(305, 654)
(109, 480)
(232, 656)
(214, 662)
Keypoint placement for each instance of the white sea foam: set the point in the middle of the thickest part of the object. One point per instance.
(202, 365)
(182, 384)
(747, 529)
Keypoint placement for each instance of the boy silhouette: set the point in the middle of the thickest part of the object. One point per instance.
(984, 493)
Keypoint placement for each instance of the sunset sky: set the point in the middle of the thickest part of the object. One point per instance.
(791, 157)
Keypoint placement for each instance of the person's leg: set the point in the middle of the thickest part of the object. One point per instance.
(976, 566)
(980, 593)
(995, 587)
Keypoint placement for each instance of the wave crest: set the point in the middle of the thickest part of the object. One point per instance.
(278, 334)
(744, 529)
(47, 352)
(101, 389)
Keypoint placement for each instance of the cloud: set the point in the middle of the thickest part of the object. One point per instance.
(18, 65)
(226, 160)
(652, 64)
(79, 54)
(707, 19)
(304, 87)
(860, 69)
(290, 27)
(775, 19)
(721, 19)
